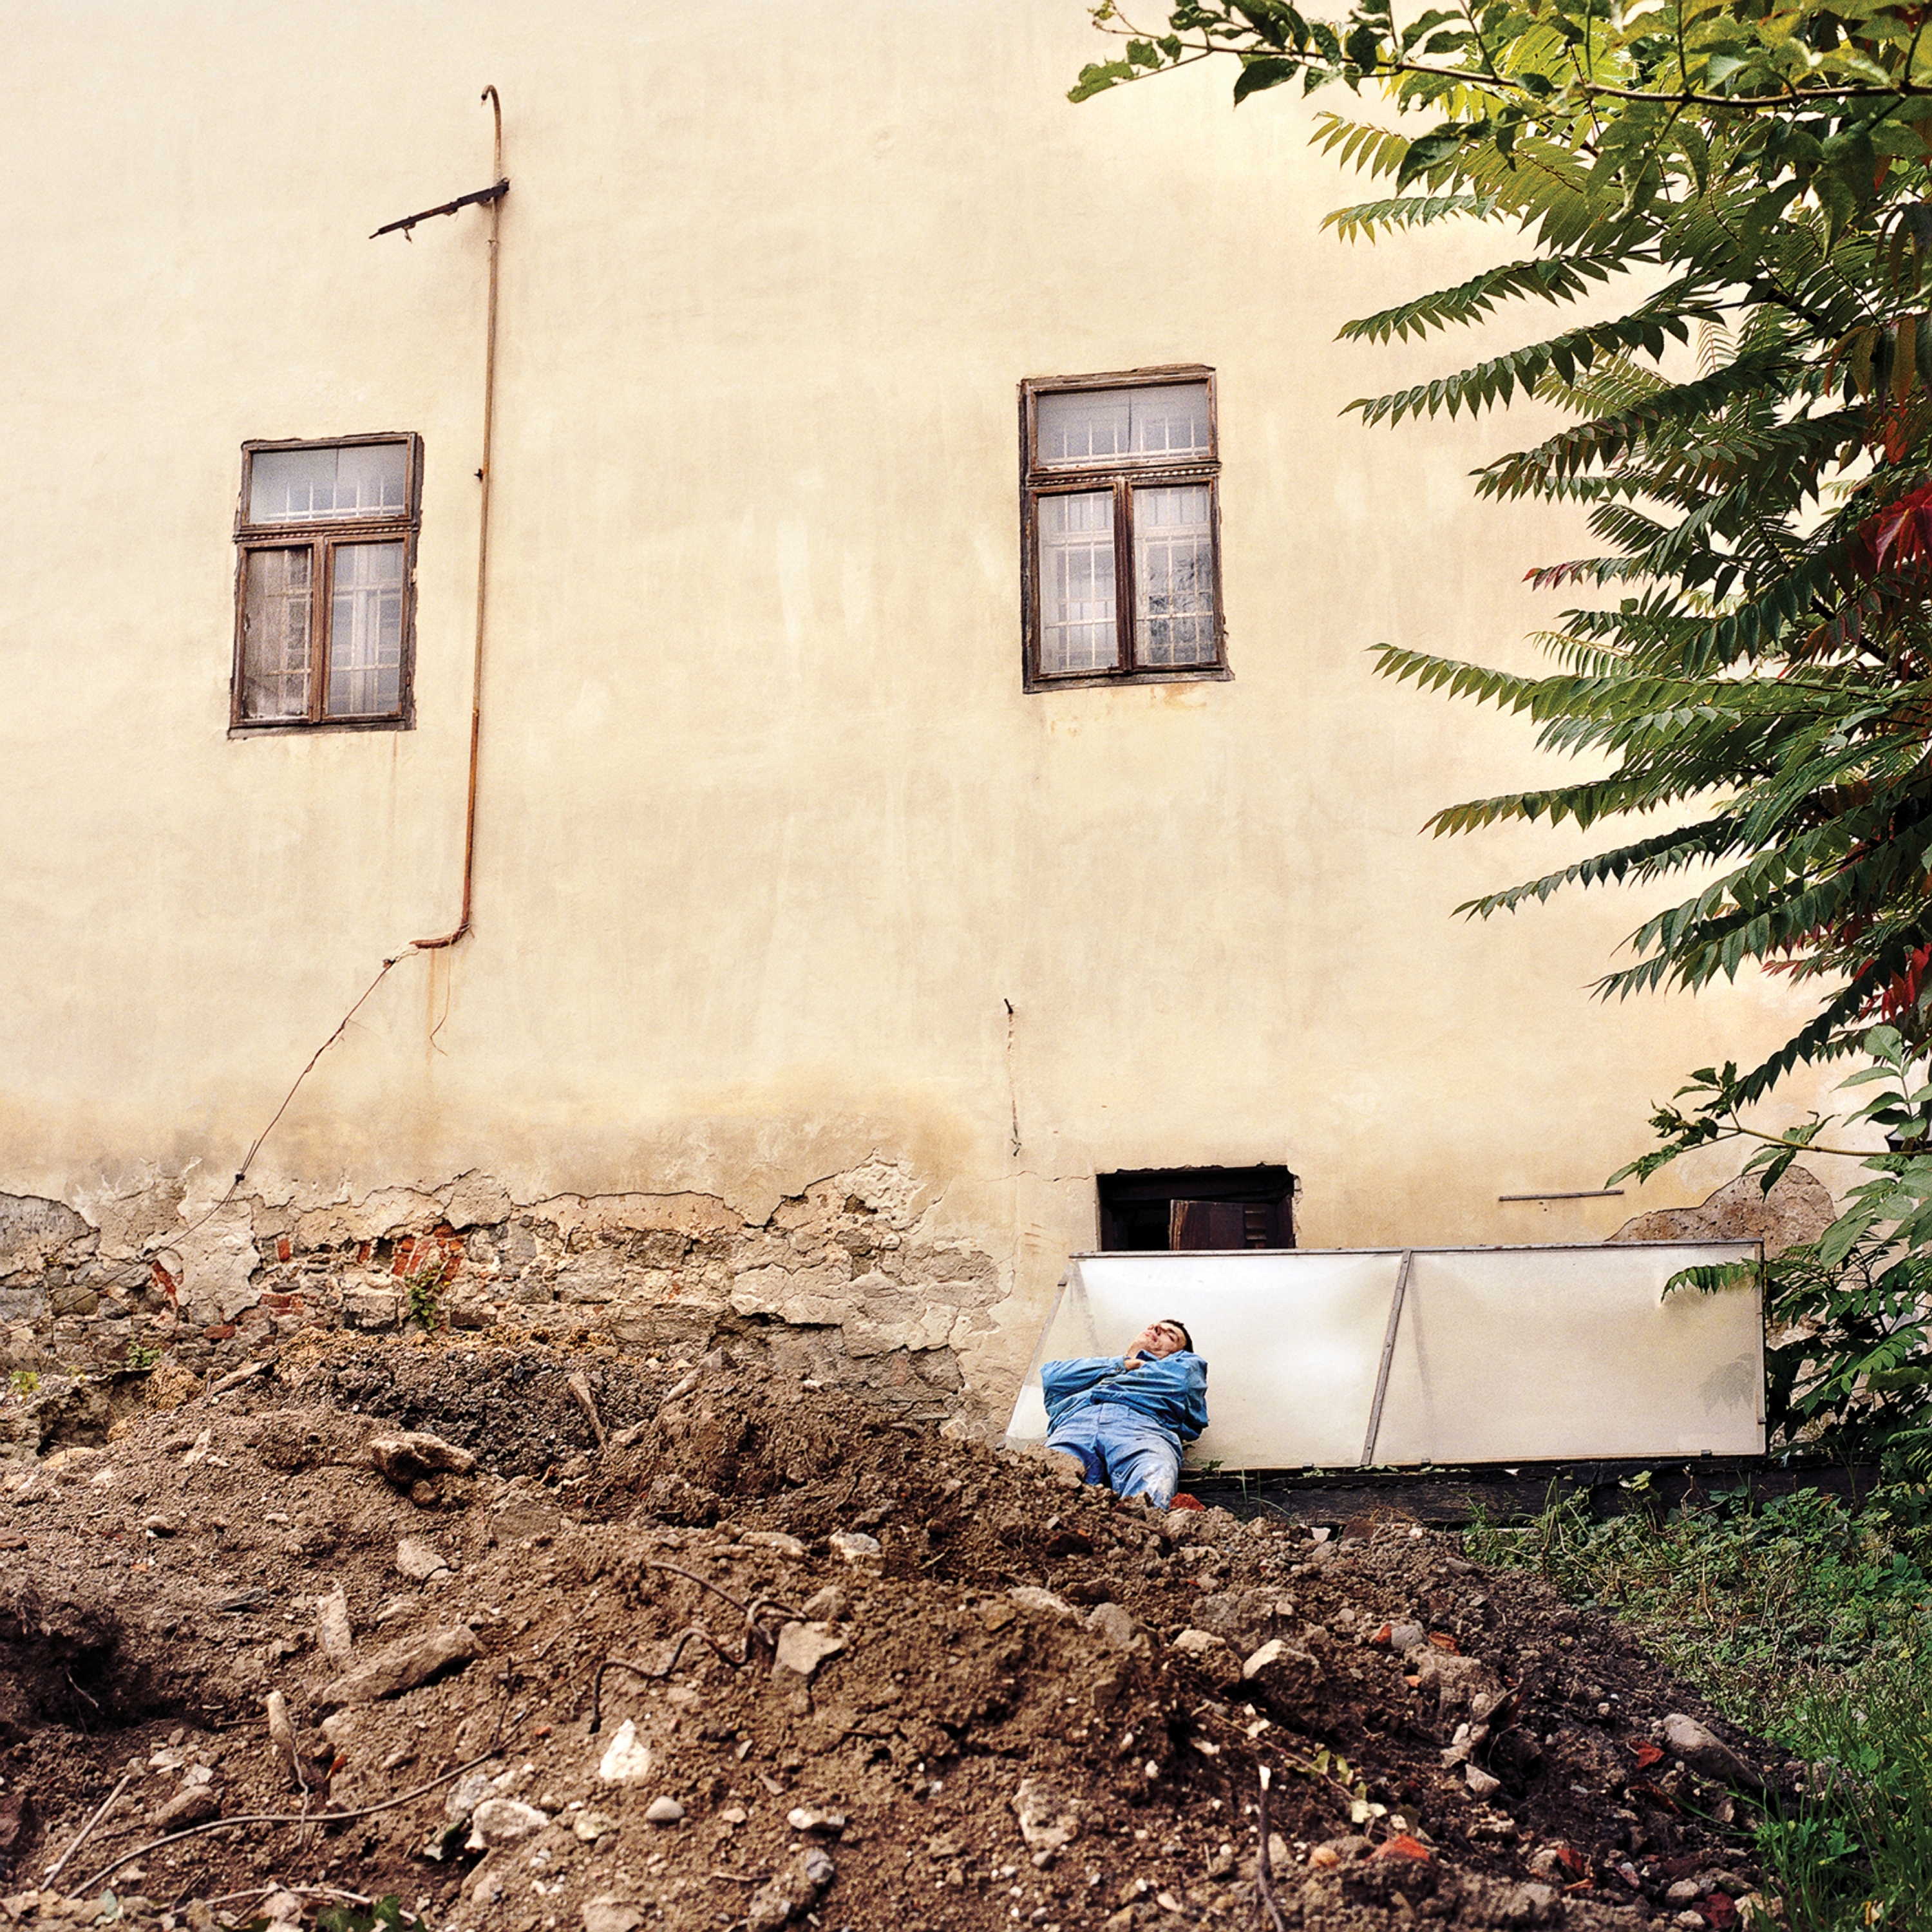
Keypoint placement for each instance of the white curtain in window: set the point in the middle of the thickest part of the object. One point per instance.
(1097, 425)
(1084, 425)
(1171, 421)
(364, 479)
(365, 632)
(1174, 576)
(274, 633)
(1078, 631)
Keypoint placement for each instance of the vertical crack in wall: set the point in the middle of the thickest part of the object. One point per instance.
(1013, 1077)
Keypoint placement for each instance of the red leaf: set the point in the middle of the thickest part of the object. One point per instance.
(1443, 1640)
(1647, 1752)
(1402, 1846)
(1573, 1860)
(1720, 1909)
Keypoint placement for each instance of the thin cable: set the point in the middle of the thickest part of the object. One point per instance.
(255, 1146)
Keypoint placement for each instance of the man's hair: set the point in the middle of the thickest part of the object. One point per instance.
(1187, 1339)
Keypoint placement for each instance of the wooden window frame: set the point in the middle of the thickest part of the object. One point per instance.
(322, 537)
(1120, 474)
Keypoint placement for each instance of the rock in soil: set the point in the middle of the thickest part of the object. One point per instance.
(873, 1674)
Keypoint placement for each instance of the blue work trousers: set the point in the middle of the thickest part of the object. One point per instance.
(1131, 1455)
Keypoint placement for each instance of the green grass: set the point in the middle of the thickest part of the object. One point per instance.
(1812, 1628)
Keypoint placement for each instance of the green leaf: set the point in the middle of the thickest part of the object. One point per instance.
(1560, 280)
(1428, 151)
(1097, 77)
(1258, 74)
(1364, 47)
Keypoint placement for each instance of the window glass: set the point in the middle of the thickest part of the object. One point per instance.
(365, 631)
(1084, 425)
(364, 479)
(1171, 421)
(1174, 576)
(1095, 425)
(1078, 632)
(274, 633)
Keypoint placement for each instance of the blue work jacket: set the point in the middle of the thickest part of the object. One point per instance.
(1171, 1390)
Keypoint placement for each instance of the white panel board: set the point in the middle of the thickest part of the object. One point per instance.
(1503, 1354)
(1549, 1353)
(1292, 1341)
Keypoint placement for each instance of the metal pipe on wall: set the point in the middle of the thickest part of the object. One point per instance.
(485, 474)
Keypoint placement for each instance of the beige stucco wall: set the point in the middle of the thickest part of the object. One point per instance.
(769, 834)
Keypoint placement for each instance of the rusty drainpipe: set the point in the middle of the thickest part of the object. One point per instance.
(484, 474)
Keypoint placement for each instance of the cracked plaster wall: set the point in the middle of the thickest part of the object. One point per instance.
(852, 1280)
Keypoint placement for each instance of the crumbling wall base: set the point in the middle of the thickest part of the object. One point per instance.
(849, 1283)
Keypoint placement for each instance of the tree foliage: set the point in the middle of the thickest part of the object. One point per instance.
(1748, 666)
(1848, 1360)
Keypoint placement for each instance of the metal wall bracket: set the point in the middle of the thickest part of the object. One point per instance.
(495, 192)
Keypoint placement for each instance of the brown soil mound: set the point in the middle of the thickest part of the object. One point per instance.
(931, 1685)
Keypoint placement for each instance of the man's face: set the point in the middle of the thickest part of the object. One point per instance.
(1158, 1338)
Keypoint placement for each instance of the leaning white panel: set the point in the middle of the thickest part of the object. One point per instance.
(1502, 1354)
(1544, 1354)
(1292, 1340)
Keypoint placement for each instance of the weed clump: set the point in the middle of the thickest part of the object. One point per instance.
(1808, 1625)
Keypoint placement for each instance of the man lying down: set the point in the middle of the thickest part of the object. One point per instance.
(1126, 1417)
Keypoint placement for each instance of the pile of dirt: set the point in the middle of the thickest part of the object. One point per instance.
(345, 1629)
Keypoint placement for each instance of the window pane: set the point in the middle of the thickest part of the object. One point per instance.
(275, 633)
(365, 631)
(1171, 421)
(1098, 425)
(296, 485)
(1084, 425)
(1077, 630)
(1174, 576)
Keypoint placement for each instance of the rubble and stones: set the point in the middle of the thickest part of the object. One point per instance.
(1025, 1702)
